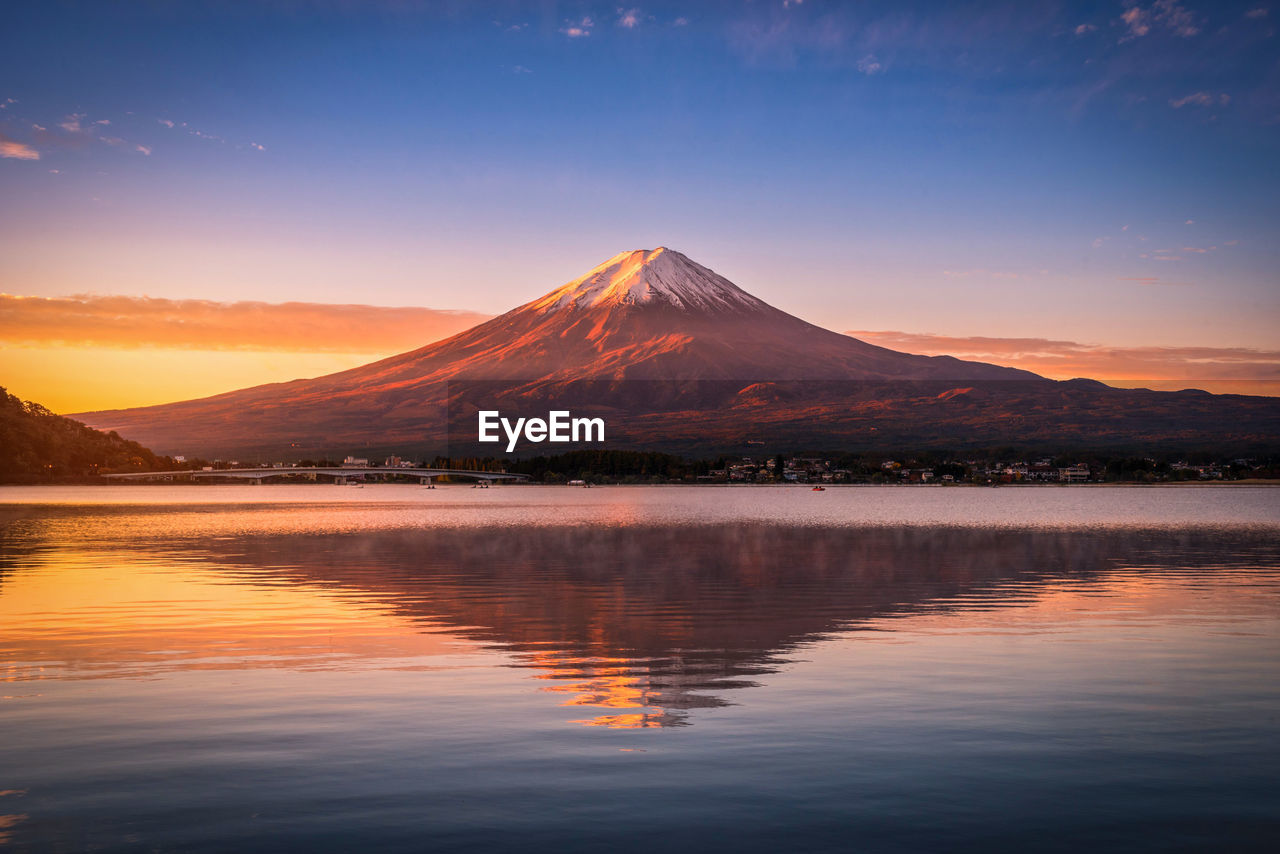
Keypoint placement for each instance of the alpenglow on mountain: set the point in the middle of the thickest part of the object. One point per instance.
(664, 343)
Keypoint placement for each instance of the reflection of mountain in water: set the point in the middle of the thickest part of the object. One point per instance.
(649, 623)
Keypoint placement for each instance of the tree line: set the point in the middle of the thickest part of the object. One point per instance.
(37, 446)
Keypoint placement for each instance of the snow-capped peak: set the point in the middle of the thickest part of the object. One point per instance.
(644, 276)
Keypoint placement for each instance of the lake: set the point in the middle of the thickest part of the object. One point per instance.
(522, 668)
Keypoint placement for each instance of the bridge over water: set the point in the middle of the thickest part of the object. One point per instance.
(339, 473)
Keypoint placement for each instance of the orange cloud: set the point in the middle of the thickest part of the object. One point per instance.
(15, 150)
(1239, 370)
(131, 322)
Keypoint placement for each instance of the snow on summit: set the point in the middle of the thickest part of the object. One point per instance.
(650, 276)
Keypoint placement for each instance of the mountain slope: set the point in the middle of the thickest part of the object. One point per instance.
(646, 332)
(37, 446)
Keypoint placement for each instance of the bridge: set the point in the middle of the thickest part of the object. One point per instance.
(339, 473)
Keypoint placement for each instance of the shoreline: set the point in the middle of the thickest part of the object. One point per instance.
(808, 486)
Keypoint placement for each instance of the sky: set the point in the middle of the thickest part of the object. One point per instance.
(1094, 185)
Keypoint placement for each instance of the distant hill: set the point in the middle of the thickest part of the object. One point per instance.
(37, 446)
(677, 358)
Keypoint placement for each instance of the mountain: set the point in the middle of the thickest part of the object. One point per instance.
(650, 315)
(679, 358)
(37, 446)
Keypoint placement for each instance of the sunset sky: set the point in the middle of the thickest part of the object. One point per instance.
(1075, 188)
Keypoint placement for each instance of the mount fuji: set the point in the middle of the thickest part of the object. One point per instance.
(688, 361)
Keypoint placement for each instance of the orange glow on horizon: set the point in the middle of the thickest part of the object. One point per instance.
(73, 379)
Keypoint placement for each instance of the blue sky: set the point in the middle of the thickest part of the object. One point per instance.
(1104, 172)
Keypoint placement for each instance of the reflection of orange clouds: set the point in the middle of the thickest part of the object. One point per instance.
(639, 721)
(68, 618)
(607, 683)
(617, 690)
(7, 823)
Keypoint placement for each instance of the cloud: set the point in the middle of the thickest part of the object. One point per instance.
(1085, 28)
(1166, 14)
(1227, 368)
(1138, 21)
(680, 22)
(4, 105)
(1200, 99)
(143, 149)
(578, 29)
(12, 149)
(71, 124)
(187, 128)
(870, 65)
(1190, 222)
(1175, 18)
(629, 18)
(130, 322)
(1256, 13)
(520, 69)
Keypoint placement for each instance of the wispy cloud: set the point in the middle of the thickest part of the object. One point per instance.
(1223, 368)
(1163, 14)
(578, 29)
(1256, 13)
(1200, 99)
(14, 150)
(629, 18)
(870, 65)
(199, 133)
(71, 124)
(130, 322)
(1084, 29)
(1161, 255)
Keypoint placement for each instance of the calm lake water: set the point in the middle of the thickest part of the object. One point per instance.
(324, 668)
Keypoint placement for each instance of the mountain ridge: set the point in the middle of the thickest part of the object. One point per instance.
(645, 332)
